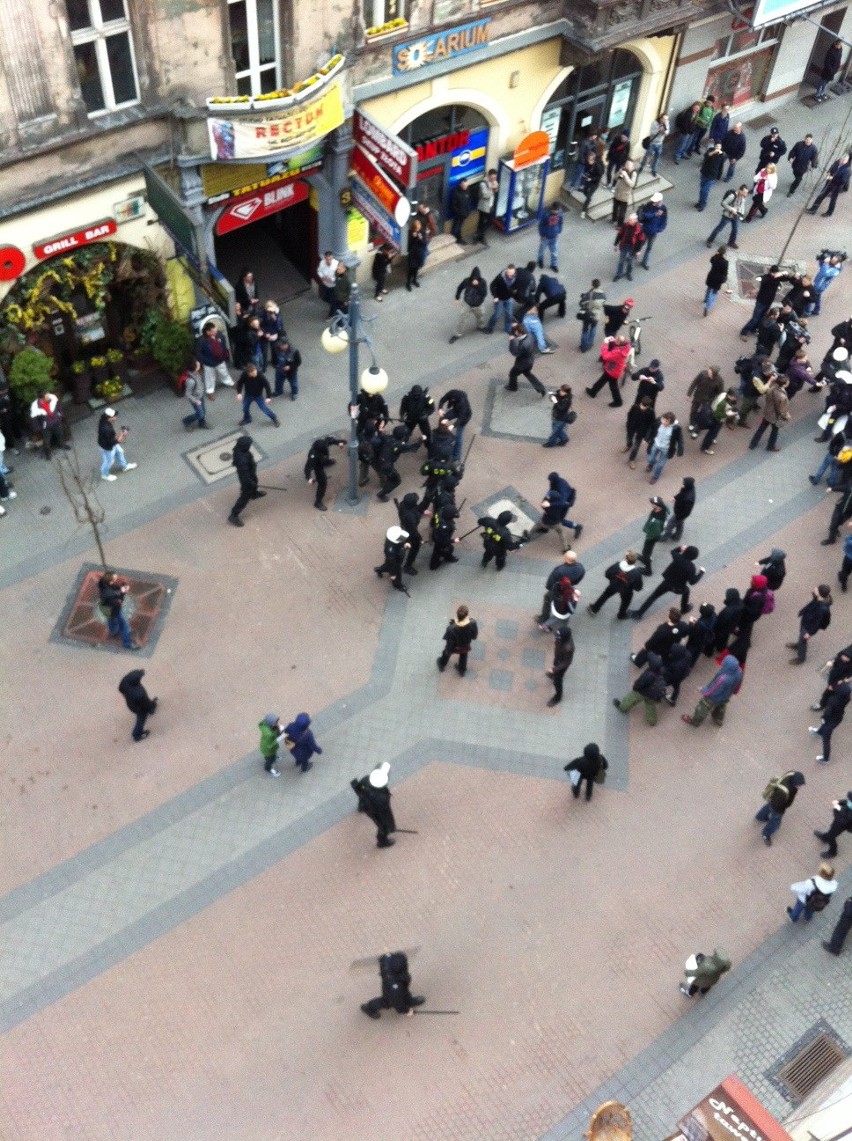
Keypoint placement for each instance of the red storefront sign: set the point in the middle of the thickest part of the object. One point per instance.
(94, 233)
(386, 150)
(731, 1111)
(390, 198)
(253, 207)
(443, 146)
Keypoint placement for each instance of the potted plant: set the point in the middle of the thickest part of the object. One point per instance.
(110, 390)
(99, 370)
(171, 347)
(30, 376)
(117, 365)
(82, 381)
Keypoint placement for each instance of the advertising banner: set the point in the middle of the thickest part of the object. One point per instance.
(367, 204)
(221, 180)
(385, 191)
(240, 211)
(291, 130)
(731, 1111)
(387, 150)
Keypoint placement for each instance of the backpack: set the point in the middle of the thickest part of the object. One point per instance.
(181, 383)
(704, 417)
(775, 785)
(817, 900)
(768, 602)
(565, 596)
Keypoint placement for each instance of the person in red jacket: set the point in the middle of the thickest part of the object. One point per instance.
(614, 355)
(629, 240)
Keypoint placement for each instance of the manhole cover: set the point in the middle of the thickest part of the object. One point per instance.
(808, 1062)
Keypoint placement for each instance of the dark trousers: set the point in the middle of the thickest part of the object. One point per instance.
(757, 207)
(646, 552)
(482, 224)
(575, 791)
(609, 592)
(634, 442)
(246, 494)
(329, 295)
(461, 664)
(603, 379)
(658, 592)
(558, 678)
(390, 479)
(139, 727)
(842, 928)
(825, 730)
(758, 434)
(673, 528)
(545, 305)
(831, 192)
(711, 435)
(442, 553)
(499, 555)
(521, 370)
(844, 572)
(757, 315)
(829, 838)
(415, 543)
(321, 484)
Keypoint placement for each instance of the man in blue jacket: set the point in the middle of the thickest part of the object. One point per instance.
(549, 229)
(716, 694)
(836, 180)
(653, 218)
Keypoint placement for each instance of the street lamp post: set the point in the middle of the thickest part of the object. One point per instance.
(346, 330)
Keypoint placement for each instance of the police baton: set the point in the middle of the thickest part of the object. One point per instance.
(420, 1010)
(469, 446)
(470, 532)
(408, 831)
(271, 487)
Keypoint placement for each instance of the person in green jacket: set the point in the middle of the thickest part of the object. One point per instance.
(704, 971)
(652, 530)
(271, 732)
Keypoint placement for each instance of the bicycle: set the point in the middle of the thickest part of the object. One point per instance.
(634, 334)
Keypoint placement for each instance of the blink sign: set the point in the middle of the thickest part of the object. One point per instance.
(419, 54)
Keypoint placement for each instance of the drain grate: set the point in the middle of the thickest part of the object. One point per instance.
(806, 1070)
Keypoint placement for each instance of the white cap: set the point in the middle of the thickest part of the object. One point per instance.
(657, 197)
(396, 534)
(845, 376)
(109, 411)
(378, 778)
(840, 354)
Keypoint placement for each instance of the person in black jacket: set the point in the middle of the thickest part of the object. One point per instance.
(138, 702)
(112, 592)
(410, 512)
(522, 348)
(318, 460)
(833, 713)
(616, 315)
(676, 669)
(110, 441)
(712, 168)
(371, 406)
(415, 408)
(772, 147)
(550, 292)
(767, 291)
(444, 541)
(803, 157)
(460, 207)
(649, 688)
(663, 638)
(734, 146)
(459, 636)
(774, 568)
(682, 506)
(244, 462)
(841, 929)
(587, 768)
(288, 361)
(385, 457)
(728, 619)
(841, 822)
(830, 67)
(374, 799)
(679, 575)
(502, 291)
(561, 416)
(813, 617)
(455, 407)
(839, 669)
(624, 578)
(754, 604)
(470, 294)
(395, 547)
(497, 539)
(563, 656)
(778, 796)
(396, 988)
(702, 629)
(590, 180)
(640, 428)
(836, 180)
(253, 388)
(570, 568)
(650, 382)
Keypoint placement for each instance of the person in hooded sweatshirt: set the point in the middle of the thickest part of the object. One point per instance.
(271, 732)
(649, 688)
(316, 463)
(778, 795)
(728, 619)
(395, 548)
(833, 713)
(410, 512)
(470, 296)
(300, 742)
(716, 694)
(704, 971)
(246, 466)
(374, 799)
(623, 578)
(497, 539)
(138, 702)
(396, 988)
(813, 617)
(682, 506)
(459, 636)
(563, 656)
(415, 408)
(678, 576)
(557, 502)
(754, 603)
(702, 632)
(813, 895)
(774, 568)
(587, 768)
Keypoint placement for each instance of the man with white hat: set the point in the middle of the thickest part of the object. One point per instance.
(110, 441)
(374, 799)
(396, 544)
(653, 217)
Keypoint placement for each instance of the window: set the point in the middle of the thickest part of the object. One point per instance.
(379, 12)
(254, 45)
(103, 54)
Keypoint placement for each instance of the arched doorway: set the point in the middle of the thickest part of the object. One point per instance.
(600, 96)
(451, 144)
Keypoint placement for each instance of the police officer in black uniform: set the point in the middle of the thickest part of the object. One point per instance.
(318, 460)
(410, 512)
(443, 535)
(396, 545)
(497, 539)
(414, 411)
(388, 452)
(396, 988)
(244, 462)
(374, 799)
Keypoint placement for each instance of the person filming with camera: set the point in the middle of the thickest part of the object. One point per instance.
(110, 440)
(830, 265)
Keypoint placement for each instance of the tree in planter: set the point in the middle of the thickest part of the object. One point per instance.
(30, 376)
(79, 490)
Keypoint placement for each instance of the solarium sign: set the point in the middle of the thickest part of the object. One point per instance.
(441, 46)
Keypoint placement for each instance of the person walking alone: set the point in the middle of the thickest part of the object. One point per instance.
(470, 295)
(459, 636)
(396, 988)
(704, 971)
(778, 795)
(109, 442)
(716, 278)
(734, 204)
(833, 713)
(138, 702)
(813, 895)
(522, 348)
(803, 157)
(813, 617)
(246, 466)
(374, 798)
(193, 390)
(834, 945)
(549, 229)
(588, 768)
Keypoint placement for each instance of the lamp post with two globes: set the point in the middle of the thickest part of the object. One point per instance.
(346, 331)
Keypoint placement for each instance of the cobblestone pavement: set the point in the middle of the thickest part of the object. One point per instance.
(177, 928)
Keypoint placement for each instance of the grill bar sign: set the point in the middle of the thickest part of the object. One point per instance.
(68, 242)
(253, 207)
(388, 151)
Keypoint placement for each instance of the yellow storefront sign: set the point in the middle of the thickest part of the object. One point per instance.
(278, 135)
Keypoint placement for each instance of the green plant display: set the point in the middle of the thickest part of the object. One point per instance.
(30, 375)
